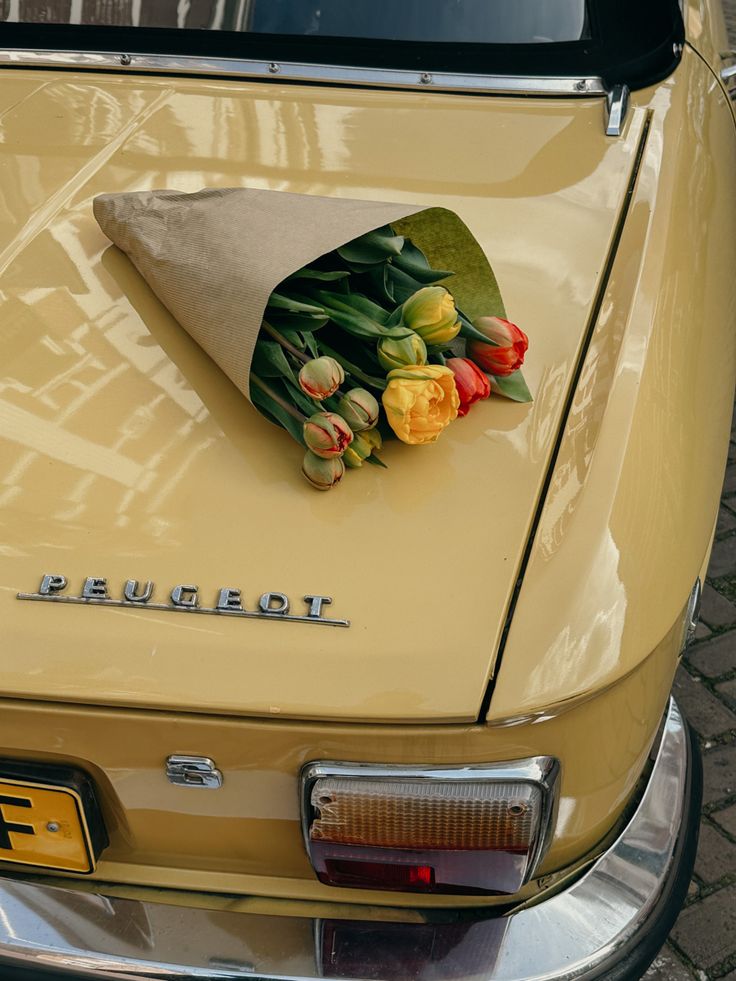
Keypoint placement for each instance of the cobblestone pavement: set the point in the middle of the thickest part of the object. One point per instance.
(702, 944)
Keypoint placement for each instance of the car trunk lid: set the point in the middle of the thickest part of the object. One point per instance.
(127, 455)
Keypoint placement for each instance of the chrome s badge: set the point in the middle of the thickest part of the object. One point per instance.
(183, 598)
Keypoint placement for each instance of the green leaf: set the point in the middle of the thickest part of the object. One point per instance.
(414, 263)
(376, 461)
(277, 413)
(292, 304)
(403, 285)
(355, 301)
(394, 319)
(311, 344)
(373, 247)
(325, 277)
(284, 322)
(358, 323)
(381, 283)
(301, 401)
(512, 387)
(295, 337)
(269, 360)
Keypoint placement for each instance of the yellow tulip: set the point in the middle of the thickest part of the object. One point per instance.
(373, 437)
(431, 313)
(419, 401)
(358, 451)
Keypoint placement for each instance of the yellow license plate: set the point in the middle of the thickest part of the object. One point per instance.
(44, 826)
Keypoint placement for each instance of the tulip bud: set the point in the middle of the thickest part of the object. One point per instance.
(358, 451)
(431, 313)
(359, 409)
(373, 437)
(321, 378)
(397, 352)
(470, 382)
(327, 434)
(506, 354)
(322, 473)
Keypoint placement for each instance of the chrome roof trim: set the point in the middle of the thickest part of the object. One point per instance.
(302, 72)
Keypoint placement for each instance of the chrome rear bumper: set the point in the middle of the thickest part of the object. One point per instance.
(590, 930)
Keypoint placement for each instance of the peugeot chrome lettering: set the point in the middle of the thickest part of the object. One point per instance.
(183, 598)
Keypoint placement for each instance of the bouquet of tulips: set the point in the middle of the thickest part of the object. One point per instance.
(365, 344)
(326, 312)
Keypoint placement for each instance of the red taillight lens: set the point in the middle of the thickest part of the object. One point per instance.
(475, 829)
(344, 872)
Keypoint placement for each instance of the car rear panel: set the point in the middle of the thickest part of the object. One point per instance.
(246, 837)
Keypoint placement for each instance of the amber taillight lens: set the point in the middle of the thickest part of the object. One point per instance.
(469, 829)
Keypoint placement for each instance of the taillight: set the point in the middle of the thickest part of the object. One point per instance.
(465, 829)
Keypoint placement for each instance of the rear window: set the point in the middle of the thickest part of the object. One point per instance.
(463, 21)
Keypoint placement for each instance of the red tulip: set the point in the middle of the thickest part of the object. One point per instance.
(505, 358)
(470, 382)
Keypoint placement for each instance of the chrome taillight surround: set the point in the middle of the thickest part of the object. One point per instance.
(520, 785)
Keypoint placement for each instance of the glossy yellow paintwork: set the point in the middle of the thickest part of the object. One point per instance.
(705, 30)
(632, 506)
(246, 837)
(125, 453)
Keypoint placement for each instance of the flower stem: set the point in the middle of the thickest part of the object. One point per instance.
(287, 345)
(379, 383)
(286, 406)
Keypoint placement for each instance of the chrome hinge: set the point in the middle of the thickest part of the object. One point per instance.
(617, 105)
(193, 771)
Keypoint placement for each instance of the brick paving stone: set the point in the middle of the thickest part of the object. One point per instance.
(723, 558)
(719, 773)
(702, 632)
(729, 481)
(667, 966)
(715, 609)
(706, 931)
(726, 521)
(728, 688)
(708, 716)
(726, 819)
(716, 855)
(715, 657)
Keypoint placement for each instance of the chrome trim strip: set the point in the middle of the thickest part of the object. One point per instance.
(543, 771)
(574, 934)
(302, 72)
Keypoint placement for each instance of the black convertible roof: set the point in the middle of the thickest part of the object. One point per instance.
(630, 41)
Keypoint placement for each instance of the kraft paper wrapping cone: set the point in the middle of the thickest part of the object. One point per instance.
(213, 258)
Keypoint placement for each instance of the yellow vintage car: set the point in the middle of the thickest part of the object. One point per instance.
(448, 749)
